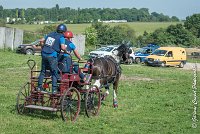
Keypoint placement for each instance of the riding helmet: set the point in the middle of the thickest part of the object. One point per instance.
(61, 28)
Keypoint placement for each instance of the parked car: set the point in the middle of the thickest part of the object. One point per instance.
(167, 56)
(144, 52)
(29, 49)
(106, 51)
(103, 51)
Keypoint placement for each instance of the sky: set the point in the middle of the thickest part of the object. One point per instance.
(179, 8)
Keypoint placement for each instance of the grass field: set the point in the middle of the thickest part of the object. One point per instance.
(151, 100)
(139, 27)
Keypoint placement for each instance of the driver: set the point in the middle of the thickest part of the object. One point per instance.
(65, 58)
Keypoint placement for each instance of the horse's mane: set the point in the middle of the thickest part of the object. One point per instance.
(123, 52)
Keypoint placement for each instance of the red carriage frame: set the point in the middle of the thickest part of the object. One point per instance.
(72, 92)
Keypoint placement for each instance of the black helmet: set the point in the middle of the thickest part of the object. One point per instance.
(61, 28)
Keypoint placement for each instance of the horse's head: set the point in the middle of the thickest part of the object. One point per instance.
(122, 51)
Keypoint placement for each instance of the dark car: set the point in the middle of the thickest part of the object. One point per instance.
(29, 49)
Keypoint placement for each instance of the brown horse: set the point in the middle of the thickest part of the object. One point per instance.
(106, 71)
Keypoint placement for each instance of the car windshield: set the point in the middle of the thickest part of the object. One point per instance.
(141, 50)
(108, 49)
(159, 52)
(101, 49)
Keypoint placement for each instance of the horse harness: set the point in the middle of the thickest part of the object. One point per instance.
(117, 70)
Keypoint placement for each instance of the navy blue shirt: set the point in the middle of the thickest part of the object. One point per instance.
(52, 45)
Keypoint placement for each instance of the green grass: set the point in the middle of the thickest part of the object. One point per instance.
(139, 27)
(151, 100)
(193, 60)
(150, 27)
(76, 28)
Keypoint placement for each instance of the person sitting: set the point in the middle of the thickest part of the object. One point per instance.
(65, 58)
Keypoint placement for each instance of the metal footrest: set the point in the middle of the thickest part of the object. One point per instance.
(41, 108)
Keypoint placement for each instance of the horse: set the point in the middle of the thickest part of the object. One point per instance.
(123, 52)
(106, 71)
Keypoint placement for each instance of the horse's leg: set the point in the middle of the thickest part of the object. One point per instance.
(97, 83)
(103, 98)
(115, 87)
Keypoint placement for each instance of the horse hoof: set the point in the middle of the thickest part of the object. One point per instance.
(103, 98)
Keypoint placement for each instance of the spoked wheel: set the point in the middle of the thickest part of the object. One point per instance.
(23, 98)
(70, 105)
(92, 101)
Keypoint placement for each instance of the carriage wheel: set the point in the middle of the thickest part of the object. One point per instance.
(92, 101)
(70, 104)
(23, 97)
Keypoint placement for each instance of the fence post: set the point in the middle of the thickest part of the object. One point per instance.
(9, 38)
(79, 41)
(2, 37)
(18, 39)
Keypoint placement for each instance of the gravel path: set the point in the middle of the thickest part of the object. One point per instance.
(190, 66)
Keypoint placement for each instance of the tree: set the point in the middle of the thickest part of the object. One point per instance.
(1, 11)
(39, 18)
(192, 24)
(57, 7)
(17, 13)
(107, 35)
(91, 36)
(123, 32)
(174, 18)
(103, 36)
(22, 14)
(174, 35)
(47, 29)
(2, 23)
(181, 35)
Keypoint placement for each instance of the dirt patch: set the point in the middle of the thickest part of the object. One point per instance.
(126, 78)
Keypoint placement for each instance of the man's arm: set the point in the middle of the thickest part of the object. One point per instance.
(62, 44)
(77, 54)
(63, 47)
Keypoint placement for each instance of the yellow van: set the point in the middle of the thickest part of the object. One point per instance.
(167, 56)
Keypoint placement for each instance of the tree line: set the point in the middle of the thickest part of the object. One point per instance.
(87, 15)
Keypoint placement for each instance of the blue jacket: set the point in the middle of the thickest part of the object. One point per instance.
(69, 46)
(52, 43)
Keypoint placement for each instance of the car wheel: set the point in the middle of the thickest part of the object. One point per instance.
(163, 64)
(137, 60)
(29, 52)
(181, 65)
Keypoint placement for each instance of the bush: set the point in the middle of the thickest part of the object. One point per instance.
(2, 23)
(30, 37)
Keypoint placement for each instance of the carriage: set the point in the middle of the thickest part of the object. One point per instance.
(72, 93)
